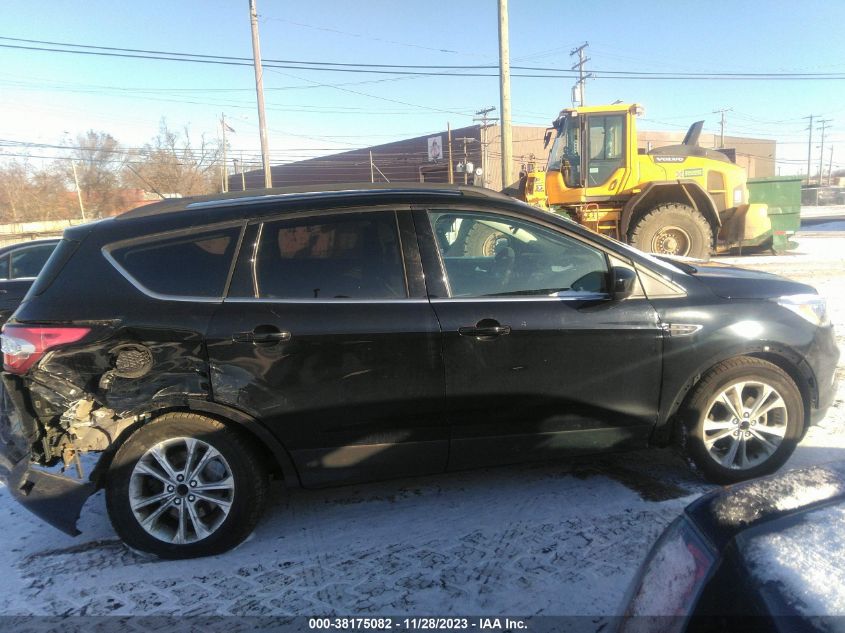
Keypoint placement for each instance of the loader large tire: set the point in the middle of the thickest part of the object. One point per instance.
(481, 241)
(673, 229)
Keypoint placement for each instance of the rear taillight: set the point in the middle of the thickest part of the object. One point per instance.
(668, 586)
(23, 346)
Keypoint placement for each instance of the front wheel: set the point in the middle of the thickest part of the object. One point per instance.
(185, 486)
(673, 229)
(745, 419)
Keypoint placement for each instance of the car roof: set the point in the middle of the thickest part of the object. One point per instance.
(182, 213)
(342, 193)
(39, 242)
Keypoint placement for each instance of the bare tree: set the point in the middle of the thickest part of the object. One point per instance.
(28, 194)
(173, 164)
(99, 161)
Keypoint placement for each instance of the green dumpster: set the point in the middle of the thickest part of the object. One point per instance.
(782, 194)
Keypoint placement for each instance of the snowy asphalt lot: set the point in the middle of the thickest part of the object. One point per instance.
(541, 539)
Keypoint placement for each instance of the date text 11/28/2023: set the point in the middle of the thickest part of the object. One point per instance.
(416, 624)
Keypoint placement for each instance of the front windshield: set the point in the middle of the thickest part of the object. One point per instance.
(565, 156)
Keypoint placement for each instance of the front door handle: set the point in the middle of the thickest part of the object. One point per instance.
(485, 329)
(263, 334)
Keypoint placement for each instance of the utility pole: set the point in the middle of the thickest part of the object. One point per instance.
(830, 168)
(485, 123)
(809, 147)
(372, 170)
(582, 76)
(259, 93)
(78, 190)
(823, 126)
(722, 125)
(505, 93)
(449, 143)
(225, 172)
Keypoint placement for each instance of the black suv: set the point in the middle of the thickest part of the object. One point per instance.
(180, 354)
(19, 266)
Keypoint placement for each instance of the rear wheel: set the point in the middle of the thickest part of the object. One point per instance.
(673, 229)
(185, 486)
(745, 419)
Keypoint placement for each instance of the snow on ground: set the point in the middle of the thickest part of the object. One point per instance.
(526, 540)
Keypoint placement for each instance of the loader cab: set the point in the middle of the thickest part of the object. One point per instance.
(592, 154)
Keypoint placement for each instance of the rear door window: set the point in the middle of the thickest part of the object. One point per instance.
(183, 264)
(342, 256)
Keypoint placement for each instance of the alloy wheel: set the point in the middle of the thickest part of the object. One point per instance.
(181, 490)
(745, 424)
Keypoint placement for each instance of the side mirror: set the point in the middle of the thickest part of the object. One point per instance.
(622, 282)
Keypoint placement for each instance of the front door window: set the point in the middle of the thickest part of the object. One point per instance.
(495, 255)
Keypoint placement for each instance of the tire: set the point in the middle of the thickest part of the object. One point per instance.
(481, 241)
(217, 514)
(673, 229)
(710, 436)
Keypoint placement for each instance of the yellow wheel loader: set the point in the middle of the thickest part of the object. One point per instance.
(677, 200)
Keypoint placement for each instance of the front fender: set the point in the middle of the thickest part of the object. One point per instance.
(786, 358)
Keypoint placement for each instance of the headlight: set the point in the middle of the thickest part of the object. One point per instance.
(812, 308)
(739, 195)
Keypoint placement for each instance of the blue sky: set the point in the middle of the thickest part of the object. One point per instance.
(45, 94)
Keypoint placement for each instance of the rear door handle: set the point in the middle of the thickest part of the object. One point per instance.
(262, 334)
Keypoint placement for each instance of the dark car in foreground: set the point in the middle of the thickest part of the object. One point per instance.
(760, 556)
(380, 331)
(19, 266)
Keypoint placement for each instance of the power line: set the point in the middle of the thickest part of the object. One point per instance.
(395, 69)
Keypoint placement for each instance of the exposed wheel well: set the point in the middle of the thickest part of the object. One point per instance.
(278, 466)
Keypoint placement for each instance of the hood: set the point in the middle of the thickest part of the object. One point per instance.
(738, 283)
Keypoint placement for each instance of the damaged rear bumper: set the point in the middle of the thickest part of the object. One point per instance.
(56, 499)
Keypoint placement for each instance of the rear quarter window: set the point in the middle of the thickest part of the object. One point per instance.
(184, 264)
